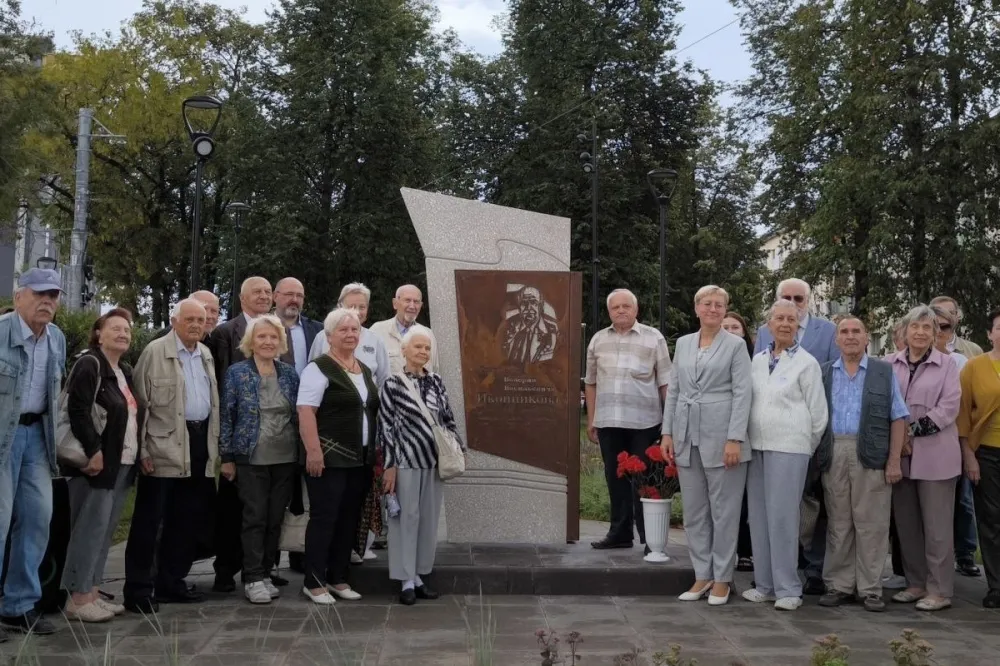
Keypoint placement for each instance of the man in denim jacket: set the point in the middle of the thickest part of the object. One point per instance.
(32, 359)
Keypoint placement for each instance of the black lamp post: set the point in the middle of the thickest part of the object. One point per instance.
(204, 147)
(662, 183)
(590, 166)
(47, 263)
(237, 209)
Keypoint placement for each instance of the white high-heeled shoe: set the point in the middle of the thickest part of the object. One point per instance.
(720, 601)
(322, 599)
(696, 596)
(347, 593)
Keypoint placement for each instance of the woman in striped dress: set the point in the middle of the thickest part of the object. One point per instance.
(407, 443)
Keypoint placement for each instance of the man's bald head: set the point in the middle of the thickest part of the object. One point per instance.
(289, 298)
(211, 303)
(407, 304)
(255, 296)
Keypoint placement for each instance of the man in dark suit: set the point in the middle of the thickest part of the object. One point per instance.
(289, 298)
(255, 300)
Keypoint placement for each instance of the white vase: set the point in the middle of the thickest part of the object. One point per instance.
(656, 513)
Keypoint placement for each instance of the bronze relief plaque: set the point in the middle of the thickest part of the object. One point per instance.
(519, 334)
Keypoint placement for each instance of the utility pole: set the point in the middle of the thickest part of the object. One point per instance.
(590, 166)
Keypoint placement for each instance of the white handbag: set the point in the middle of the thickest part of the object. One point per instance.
(69, 450)
(451, 460)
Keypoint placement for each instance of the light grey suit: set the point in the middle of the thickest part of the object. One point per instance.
(708, 403)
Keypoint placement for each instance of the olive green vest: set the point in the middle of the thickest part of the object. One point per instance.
(338, 418)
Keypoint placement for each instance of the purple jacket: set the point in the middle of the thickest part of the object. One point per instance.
(934, 392)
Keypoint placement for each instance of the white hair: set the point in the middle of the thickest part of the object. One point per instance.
(354, 288)
(250, 280)
(793, 281)
(413, 332)
(337, 316)
(176, 310)
(920, 313)
(400, 289)
(631, 297)
(781, 303)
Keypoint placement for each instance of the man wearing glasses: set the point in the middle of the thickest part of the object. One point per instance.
(819, 337)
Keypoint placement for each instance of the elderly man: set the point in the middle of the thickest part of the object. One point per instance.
(289, 298)
(371, 350)
(530, 335)
(407, 304)
(625, 386)
(179, 444)
(211, 303)
(255, 300)
(818, 337)
(860, 458)
(32, 357)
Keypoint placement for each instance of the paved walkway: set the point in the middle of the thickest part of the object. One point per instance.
(376, 631)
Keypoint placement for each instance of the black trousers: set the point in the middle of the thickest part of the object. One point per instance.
(228, 530)
(987, 497)
(265, 491)
(183, 507)
(743, 546)
(895, 546)
(626, 509)
(335, 500)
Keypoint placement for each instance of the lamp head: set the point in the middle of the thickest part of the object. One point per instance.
(662, 183)
(201, 117)
(47, 263)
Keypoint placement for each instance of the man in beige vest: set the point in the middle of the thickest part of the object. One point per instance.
(407, 304)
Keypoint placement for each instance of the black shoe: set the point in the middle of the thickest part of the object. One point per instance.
(646, 551)
(278, 580)
(144, 606)
(224, 585)
(424, 592)
(874, 603)
(187, 596)
(967, 568)
(744, 564)
(992, 599)
(297, 562)
(836, 598)
(30, 622)
(607, 544)
(408, 597)
(814, 586)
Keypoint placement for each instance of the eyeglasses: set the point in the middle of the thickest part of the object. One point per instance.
(798, 298)
(944, 327)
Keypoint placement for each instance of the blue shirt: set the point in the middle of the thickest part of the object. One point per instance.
(401, 328)
(846, 395)
(299, 350)
(197, 387)
(36, 399)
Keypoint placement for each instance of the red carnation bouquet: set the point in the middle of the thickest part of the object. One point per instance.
(655, 477)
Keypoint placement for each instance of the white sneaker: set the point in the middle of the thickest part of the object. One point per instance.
(346, 594)
(369, 555)
(86, 613)
(355, 558)
(893, 582)
(756, 596)
(271, 588)
(788, 603)
(257, 593)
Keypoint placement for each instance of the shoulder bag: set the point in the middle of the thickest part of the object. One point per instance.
(451, 460)
(69, 450)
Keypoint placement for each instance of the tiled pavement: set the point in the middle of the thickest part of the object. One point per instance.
(375, 631)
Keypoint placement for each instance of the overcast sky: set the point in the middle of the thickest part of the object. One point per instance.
(722, 54)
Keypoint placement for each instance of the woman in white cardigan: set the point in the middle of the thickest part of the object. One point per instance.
(787, 419)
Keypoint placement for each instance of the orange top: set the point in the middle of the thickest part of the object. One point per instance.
(980, 399)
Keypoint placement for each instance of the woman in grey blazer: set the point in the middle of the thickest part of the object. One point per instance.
(705, 430)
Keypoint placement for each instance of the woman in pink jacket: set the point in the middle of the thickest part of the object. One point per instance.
(923, 502)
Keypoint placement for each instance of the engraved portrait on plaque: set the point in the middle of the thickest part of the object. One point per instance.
(530, 330)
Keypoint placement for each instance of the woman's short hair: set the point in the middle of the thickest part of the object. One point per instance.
(337, 317)
(945, 314)
(780, 303)
(710, 290)
(246, 344)
(413, 332)
(95, 330)
(354, 288)
(919, 313)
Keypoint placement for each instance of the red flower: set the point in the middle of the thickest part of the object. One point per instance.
(670, 470)
(654, 453)
(649, 492)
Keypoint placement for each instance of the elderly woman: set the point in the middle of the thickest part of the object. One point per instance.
(705, 429)
(787, 420)
(407, 443)
(338, 405)
(259, 447)
(97, 491)
(923, 502)
(979, 432)
(737, 325)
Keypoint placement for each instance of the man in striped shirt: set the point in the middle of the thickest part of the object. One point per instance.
(626, 382)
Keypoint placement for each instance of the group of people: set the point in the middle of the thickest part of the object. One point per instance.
(797, 451)
(219, 427)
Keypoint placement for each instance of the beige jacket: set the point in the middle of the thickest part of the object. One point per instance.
(159, 386)
(388, 333)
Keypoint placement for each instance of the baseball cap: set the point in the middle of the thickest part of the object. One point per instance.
(40, 279)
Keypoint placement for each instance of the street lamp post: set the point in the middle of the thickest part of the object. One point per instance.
(590, 166)
(662, 183)
(204, 146)
(237, 209)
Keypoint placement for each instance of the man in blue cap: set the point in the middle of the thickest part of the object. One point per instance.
(32, 359)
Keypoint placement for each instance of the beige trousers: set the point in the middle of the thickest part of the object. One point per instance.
(858, 503)
(925, 517)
